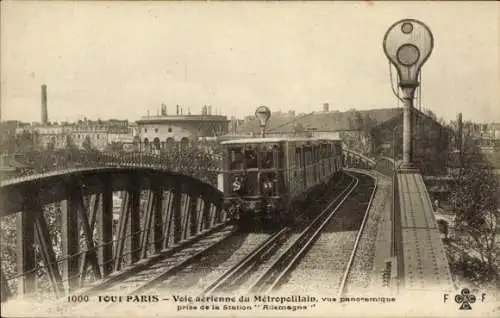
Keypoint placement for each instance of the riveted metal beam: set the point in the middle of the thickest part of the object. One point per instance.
(88, 226)
(122, 230)
(157, 226)
(70, 242)
(177, 213)
(48, 254)
(193, 212)
(133, 235)
(206, 213)
(104, 220)
(147, 220)
(25, 240)
(168, 218)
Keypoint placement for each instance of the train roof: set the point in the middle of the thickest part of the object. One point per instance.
(274, 140)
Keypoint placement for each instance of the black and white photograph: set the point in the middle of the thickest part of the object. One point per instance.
(249, 158)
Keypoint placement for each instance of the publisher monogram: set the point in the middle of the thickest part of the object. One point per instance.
(465, 299)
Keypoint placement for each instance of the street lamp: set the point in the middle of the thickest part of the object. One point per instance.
(263, 114)
(408, 44)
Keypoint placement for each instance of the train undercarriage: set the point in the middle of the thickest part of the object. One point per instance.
(261, 214)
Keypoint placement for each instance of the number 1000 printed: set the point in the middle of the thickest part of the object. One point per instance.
(78, 299)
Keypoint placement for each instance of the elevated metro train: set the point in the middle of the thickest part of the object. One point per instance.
(266, 179)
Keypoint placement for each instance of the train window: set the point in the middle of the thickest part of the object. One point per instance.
(251, 158)
(237, 159)
(298, 157)
(268, 153)
(307, 156)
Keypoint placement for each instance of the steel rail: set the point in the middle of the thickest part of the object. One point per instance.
(250, 259)
(358, 238)
(174, 270)
(143, 265)
(266, 279)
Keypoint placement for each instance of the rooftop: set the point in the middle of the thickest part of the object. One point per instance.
(160, 119)
(332, 121)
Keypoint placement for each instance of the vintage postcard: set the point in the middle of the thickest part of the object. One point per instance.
(249, 159)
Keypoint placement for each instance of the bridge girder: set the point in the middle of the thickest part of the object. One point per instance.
(175, 208)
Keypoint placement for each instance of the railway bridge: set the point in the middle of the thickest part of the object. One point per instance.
(71, 229)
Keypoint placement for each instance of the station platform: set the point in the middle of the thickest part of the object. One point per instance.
(424, 263)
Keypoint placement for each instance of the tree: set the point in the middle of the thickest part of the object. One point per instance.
(443, 228)
(51, 144)
(361, 137)
(114, 147)
(25, 141)
(430, 113)
(70, 144)
(474, 198)
(7, 140)
(86, 144)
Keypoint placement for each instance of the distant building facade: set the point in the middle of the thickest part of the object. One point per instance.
(163, 131)
(487, 135)
(82, 134)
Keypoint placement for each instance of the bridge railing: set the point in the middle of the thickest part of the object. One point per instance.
(385, 165)
(203, 166)
(357, 160)
(66, 230)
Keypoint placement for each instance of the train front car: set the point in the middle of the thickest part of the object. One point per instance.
(253, 181)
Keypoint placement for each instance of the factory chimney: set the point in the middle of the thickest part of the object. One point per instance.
(459, 138)
(45, 116)
(326, 107)
(209, 110)
(460, 128)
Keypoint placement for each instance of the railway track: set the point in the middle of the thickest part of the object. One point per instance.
(232, 278)
(271, 279)
(328, 266)
(350, 275)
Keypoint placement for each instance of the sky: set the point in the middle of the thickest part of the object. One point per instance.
(118, 60)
